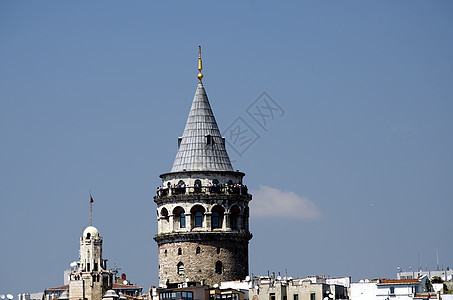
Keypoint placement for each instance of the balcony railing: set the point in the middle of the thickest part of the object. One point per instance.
(208, 190)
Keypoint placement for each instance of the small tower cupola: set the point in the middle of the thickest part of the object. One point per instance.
(91, 232)
(91, 279)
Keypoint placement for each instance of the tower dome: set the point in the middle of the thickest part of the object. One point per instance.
(90, 232)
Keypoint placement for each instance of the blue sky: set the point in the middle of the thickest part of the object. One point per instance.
(93, 96)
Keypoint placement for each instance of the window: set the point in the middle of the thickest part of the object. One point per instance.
(272, 296)
(218, 250)
(296, 297)
(197, 186)
(392, 290)
(198, 219)
(182, 220)
(179, 251)
(165, 252)
(217, 216)
(176, 295)
(312, 296)
(164, 213)
(218, 267)
(179, 217)
(197, 216)
(198, 250)
(215, 220)
(209, 140)
(180, 268)
(234, 217)
(88, 235)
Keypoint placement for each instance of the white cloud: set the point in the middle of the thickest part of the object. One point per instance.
(271, 202)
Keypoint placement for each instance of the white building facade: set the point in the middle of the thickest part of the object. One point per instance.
(396, 289)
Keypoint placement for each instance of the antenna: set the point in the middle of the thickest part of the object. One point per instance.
(437, 255)
(115, 270)
(419, 265)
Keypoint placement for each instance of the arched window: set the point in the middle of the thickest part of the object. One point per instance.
(197, 186)
(197, 216)
(218, 267)
(179, 251)
(217, 216)
(234, 217)
(179, 217)
(218, 250)
(198, 219)
(182, 220)
(165, 252)
(164, 213)
(198, 250)
(180, 268)
(215, 220)
(88, 235)
(180, 188)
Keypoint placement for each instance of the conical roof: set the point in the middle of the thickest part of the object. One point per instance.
(201, 147)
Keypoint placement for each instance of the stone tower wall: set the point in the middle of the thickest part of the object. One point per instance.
(232, 253)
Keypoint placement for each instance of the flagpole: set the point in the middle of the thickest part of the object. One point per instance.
(91, 210)
(91, 213)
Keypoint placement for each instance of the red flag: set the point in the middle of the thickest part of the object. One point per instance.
(91, 199)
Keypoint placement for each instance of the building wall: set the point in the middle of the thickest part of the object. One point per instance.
(401, 292)
(294, 289)
(306, 289)
(233, 255)
(363, 291)
(265, 292)
(373, 290)
(86, 285)
(444, 274)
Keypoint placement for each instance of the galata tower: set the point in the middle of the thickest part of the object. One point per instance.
(202, 206)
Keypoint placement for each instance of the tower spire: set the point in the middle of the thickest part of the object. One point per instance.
(200, 67)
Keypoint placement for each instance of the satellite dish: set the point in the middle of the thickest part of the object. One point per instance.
(331, 296)
(215, 286)
(73, 264)
(9, 296)
(125, 282)
(2, 296)
(247, 278)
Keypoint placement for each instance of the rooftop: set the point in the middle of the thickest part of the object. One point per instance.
(201, 147)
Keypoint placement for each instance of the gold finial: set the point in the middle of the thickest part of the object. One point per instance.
(200, 76)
